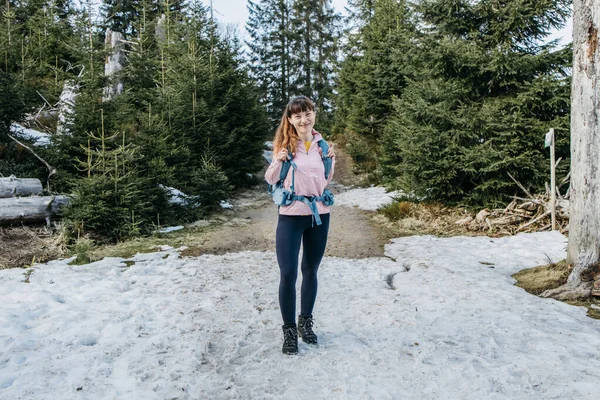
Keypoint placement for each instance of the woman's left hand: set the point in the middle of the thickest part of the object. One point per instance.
(331, 153)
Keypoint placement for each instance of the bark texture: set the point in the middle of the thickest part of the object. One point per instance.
(114, 63)
(30, 209)
(66, 106)
(583, 251)
(13, 186)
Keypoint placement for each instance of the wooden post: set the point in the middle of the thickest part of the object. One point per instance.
(552, 180)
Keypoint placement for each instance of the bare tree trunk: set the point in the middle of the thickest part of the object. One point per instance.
(13, 186)
(30, 209)
(66, 106)
(114, 64)
(583, 252)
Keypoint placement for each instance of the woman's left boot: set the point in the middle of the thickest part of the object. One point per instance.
(305, 323)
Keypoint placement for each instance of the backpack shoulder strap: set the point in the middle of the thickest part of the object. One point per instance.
(286, 166)
(326, 160)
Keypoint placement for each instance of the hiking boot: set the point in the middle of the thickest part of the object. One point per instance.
(305, 323)
(290, 339)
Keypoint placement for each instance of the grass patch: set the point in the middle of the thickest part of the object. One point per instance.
(539, 279)
(397, 210)
(186, 237)
(536, 280)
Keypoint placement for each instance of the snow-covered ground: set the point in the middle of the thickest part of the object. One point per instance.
(369, 199)
(439, 319)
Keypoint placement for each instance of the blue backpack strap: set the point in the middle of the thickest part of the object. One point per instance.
(286, 166)
(326, 160)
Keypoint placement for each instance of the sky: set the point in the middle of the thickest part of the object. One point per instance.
(235, 12)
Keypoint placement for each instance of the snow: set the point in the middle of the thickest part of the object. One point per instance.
(40, 138)
(369, 199)
(168, 229)
(225, 204)
(176, 196)
(439, 318)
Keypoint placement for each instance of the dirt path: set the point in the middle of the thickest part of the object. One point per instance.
(251, 226)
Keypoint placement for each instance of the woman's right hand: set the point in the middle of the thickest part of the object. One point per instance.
(282, 155)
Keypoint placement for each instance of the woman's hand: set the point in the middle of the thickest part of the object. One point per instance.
(282, 155)
(331, 153)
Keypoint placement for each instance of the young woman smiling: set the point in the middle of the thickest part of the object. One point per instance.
(296, 139)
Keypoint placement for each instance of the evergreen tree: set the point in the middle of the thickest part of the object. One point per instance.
(294, 50)
(315, 48)
(378, 58)
(33, 64)
(128, 16)
(189, 116)
(484, 91)
(269, 26)
(112, 200)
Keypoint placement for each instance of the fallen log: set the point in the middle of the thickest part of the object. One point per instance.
(13, 186)
(30, 209)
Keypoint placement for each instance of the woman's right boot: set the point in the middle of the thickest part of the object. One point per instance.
(290, 339)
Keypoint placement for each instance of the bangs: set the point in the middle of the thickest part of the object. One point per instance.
(300, 104)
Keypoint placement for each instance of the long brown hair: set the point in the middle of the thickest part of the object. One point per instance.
(286, 136)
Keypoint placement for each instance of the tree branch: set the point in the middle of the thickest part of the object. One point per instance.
(51, 169)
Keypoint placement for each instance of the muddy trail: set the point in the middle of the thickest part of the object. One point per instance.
(251, 224)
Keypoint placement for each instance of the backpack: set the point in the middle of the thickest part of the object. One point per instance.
(284, 197)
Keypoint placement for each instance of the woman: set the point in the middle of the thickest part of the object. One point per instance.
(296, 138)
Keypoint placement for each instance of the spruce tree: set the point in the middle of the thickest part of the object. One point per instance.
(485, 89)
(112, 200)
(270, 28)
(315, 52)
(378, 58)
(33, 64)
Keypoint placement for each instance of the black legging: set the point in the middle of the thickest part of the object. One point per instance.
(291, 230)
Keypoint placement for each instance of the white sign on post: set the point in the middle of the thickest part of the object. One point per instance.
(548, 139)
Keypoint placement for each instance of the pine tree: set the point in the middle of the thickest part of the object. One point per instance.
(34, 63)
(112, 200)
(377, 62)
(269, 26)
(294, 50)
(315, 48)
(485, 89)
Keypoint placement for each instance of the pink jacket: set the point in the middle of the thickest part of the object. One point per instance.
(309, 179)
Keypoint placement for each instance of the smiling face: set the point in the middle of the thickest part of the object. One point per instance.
(303, 121)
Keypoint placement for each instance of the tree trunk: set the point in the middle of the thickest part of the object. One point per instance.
(30, 209)
(583, 252)
(66, 106)
(114, 64)
(13, 186)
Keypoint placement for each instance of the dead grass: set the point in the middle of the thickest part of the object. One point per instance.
(20, 246)
(539, 279)
(190, 237)
(406, 218)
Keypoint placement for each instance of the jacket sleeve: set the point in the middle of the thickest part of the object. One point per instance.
(272, 173)
(332, 170)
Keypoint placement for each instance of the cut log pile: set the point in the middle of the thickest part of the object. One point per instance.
(31, 207)
(524, 214)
